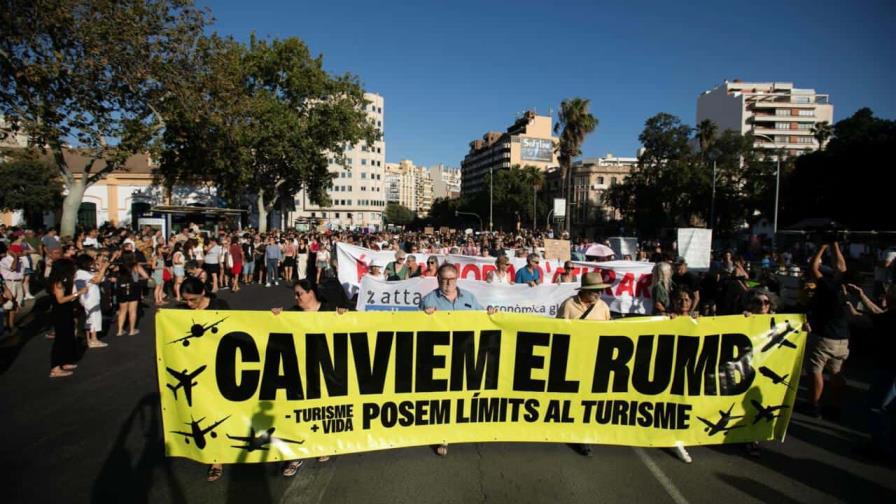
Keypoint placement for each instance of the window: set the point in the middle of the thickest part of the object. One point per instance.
(782, 125)
(323, 214)
(380, 110)
(612, 180)
(600, 180)
(313, 215)
(348, 202)
(363, 188)
(379, 150)
(363, 175)
(806, 126)
(364, 162)
(805, 140)
(781, 139)
(802, 99)
(782, 112)
(337, 215)
(807, 113)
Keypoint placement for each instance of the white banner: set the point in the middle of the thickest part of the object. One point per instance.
(545, 300)
(694, 244)
(630, 280)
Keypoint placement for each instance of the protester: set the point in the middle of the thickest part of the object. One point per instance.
(128, 291)
(447, 297)
(178, 262)
(501, 273)
(397, 269)
(828, 345)
(12, 269)
(568, 274)
(91, 274)
(531, 273)
(661, 288)
(211, 261)
(64, 297)
(272, 258)
(682, 279)
(432, 267)
(236, 263)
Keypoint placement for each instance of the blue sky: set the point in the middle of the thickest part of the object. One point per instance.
(451, 70)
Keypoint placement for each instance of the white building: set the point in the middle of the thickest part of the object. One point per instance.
(446, 182)
(358, 191)
(779, 115)
(410, 186)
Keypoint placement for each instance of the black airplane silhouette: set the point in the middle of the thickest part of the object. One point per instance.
(779, 339)
(764, 412)
(722, 424)
(198, 331)
(198, 434)
(185, 381)
(774, 377)
(259, 442)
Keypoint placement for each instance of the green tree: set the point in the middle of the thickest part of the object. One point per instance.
(271, 117)
(575, 122)
(95, 74)
(822, 132)
(707, 131)
(398, 215)
(29, 184)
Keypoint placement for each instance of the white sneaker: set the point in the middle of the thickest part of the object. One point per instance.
(267, 284)
(29, 296)
(682, 454)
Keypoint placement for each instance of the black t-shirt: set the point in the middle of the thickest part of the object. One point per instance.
(829, 317)
(688, 281)
(885, 338)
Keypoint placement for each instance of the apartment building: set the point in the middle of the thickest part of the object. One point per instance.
(358, 192)
(446, 182)
(780, 116)
(591, 179)
(528, 141)
(410, 186)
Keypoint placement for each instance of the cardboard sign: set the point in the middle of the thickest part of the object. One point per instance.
(556, 249)
(444, 230)
(428, 230)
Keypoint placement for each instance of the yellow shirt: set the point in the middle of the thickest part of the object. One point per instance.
(573, 308)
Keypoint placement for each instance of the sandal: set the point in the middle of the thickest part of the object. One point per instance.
(136, 332)
(214, 473)
(290, 469)
(325, 458)
(69, 367)
(442, 450)
(97, 344)
(61, 373)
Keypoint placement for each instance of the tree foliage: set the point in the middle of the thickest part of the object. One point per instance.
(398, 215)
(93, 73)
(270, 116)
(672, 183)
(574, 123)
(29, 184)
(847, 180)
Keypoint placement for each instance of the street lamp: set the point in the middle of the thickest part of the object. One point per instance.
(491, 184)
(458, 212)
(777, 187)
(713, 155)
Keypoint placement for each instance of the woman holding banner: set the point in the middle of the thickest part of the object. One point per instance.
(501, 274)
(682, 306)
(195, 297)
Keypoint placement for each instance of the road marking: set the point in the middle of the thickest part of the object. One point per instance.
(661, 477)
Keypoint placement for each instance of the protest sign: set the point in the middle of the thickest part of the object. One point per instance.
(556, 249)
(695, 244)
(251, 386)
(623, 246)
(428, 230)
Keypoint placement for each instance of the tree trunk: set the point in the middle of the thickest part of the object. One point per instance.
(262, 214)
(70, 206)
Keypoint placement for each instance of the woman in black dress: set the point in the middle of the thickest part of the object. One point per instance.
(64, 297)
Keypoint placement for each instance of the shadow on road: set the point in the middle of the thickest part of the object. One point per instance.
(127, 474)
(753, 488)
(34, 323)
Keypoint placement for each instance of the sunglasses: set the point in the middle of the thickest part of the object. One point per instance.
(762, 302)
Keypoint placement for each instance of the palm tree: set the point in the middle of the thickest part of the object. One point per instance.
(706, 134)
(574, 123)
(822, 132)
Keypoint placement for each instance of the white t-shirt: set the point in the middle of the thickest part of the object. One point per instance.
(213, 255)
(92, 297)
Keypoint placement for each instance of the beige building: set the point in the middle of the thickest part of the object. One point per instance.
(409, 186)
(527, 142)
(779, 115)
(591, 179)
(357, 192)
(446, 182)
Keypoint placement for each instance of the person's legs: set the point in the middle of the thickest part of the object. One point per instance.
(881, 410)
(122, 315)
(132, 316)
(177, 281)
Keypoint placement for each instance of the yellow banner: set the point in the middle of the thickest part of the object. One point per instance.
(251, 386)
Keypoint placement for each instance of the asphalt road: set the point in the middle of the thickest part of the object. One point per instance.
(96, 437)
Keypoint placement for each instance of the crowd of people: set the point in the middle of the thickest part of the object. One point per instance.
(115, 272)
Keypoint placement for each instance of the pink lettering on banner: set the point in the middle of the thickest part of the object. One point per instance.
(488, 268)
(626, 285)
(643, 289)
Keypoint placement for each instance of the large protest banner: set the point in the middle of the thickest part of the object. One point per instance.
(239, 386)
(545, 300)
(630, 280)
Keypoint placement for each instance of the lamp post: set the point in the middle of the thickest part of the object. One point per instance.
(491, 184)
(777, 188)
(713, 155)
(458, 212)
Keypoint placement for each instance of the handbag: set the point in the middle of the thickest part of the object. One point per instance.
(166, 275)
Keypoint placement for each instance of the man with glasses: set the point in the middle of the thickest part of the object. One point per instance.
(531, 273)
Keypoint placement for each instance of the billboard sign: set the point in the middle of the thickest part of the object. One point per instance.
(536, 149)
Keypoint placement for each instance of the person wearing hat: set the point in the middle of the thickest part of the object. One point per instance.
(12, 269)
(587, 304)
